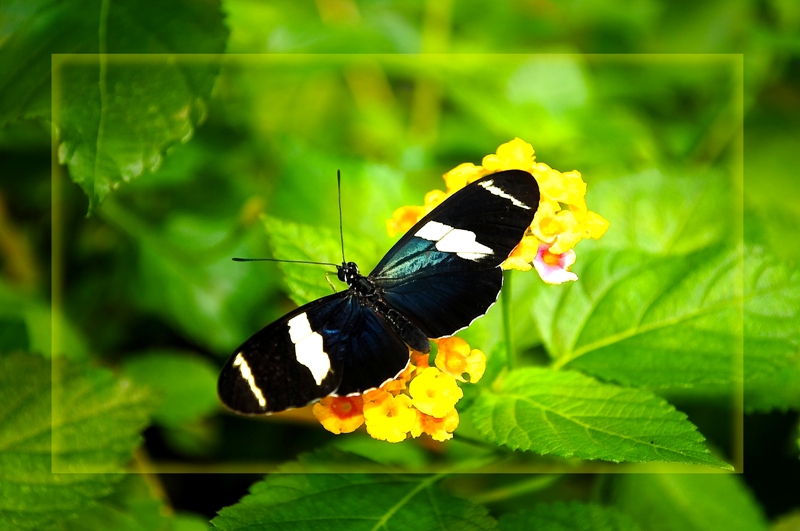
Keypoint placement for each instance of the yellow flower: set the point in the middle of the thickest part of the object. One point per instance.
(340, 414)
(561, 221)
(514, 155)
(567, 187)
(434, 392)
(433, 199)
(439, 429)
(563, 229)
(455, 358)
(403, 219)
(595, 225)
(462, 175)
(523, 254)
(389, 418)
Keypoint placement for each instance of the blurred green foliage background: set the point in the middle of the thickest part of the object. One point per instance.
(681, 116)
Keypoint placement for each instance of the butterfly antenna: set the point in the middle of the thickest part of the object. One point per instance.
(341, 233)
(277, 260)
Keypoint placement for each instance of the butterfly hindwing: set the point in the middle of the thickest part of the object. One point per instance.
(277, 369)
(332, 346)
(444, 272)
(370, 349)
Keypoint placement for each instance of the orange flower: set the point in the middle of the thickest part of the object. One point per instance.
(456, 358)
(403, 219)
(420, 360)
(340, 414)
(398, 384)
(439, 429)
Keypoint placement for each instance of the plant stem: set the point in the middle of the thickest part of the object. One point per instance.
(506, 307)
(516, 489)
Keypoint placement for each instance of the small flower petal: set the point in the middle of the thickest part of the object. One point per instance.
(420, 361)
(403, 219)
(554, 268)
(462, 175)
(523, 254)
(389, 418)
(514, 155)
(595, 225)
(340, 414)
(456, 358)
(439, 429)
(567, 187)
(434, 392)
(398, 384)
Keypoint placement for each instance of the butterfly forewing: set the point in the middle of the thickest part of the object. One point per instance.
(444, 272)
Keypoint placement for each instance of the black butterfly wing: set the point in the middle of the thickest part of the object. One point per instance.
(445, 271)
(332, 346)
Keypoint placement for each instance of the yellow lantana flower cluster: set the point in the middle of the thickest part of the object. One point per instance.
(561, 221)
(421, 399)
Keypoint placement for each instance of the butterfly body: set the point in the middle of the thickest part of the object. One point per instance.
(369, 295)
(437, 279)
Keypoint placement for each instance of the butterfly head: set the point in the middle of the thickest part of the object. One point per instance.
(348, 272)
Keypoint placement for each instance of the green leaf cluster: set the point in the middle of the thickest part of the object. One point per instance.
(56, 462)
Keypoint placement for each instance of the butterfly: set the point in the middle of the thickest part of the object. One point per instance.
(436, 280)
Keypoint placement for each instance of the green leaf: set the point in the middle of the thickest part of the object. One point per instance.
(408, 456)
(688, 502)
(186, 280)
(296, 241)
(351, 502)
(673, 321)
(97, 425)
(571, 415)
(772, 332)
(779, 390)
(110, 136)
(131, 507)
(184, 383)
(568, 517)
(34, 30)
(189, 522)
(654, 213)
(13, 335)
(115, 117)
(36, 315)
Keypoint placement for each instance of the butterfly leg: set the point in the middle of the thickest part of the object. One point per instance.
(329, 282)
